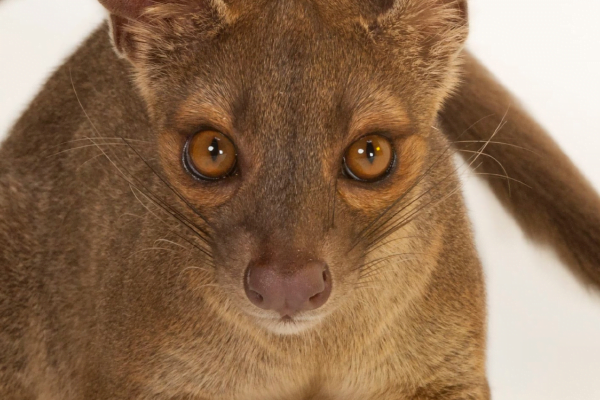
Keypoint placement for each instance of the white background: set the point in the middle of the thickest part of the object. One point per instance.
(544, 337)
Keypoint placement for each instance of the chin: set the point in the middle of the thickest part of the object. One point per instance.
(288, 325)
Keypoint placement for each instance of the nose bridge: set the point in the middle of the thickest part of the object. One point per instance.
(291, 188)
(287, 115)
(292, 199)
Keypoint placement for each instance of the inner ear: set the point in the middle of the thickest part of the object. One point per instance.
(122, 40)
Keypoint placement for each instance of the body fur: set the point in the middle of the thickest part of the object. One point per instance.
(107, 295)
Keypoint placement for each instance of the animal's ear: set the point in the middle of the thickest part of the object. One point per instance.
(137, 25)
(122, 14)
(428, 35)
(432, 20)
(383, 6)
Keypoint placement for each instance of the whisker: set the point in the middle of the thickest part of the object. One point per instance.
(373, 223)
(404, 220)
(334, 202)
(470, 126)
(427, 192)
(411, 215)
(128, 214)
(496, 142)
(502, 123)
(174, 213)
(149, 194)
(177, 281)
(160, 219)
(387, 257)
(171, 242)
(150, 249)
(503, 177)
(118, 139)
(89, 160)
(371, 270)
(163, 180)
(496, 160)
(83, 147)
(372, 250)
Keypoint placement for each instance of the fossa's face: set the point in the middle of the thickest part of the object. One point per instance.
(304, 146)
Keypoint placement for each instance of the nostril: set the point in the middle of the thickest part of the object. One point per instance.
(255, 288)
(313, 298)
(257, 296)
(318, 297)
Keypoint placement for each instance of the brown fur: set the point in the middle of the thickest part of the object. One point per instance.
(548, 195)
(122, 275)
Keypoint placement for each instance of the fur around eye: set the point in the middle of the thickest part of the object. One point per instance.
(370, 158)
(209, 155)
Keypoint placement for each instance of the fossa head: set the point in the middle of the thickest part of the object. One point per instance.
(295, 128)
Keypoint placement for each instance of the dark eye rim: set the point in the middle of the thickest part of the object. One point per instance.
(349, 174)
(188, 165)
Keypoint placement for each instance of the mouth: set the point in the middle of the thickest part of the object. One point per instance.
(287, 325)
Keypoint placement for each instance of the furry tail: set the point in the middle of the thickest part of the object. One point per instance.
(559, 207)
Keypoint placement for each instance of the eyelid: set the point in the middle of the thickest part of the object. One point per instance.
(195, 112)
(388, 115)
(391, 132)
(189, 130)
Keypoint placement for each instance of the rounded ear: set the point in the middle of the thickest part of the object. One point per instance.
(428, 36)
(438, 27)
(137, 26)
(121, 39)
(122, 14)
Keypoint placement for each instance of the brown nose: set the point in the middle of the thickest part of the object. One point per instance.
(308, 288)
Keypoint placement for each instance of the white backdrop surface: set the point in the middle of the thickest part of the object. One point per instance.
(544, 328)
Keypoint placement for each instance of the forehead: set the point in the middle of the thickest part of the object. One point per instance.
(284, 78)
(293, 52)
(290, 57)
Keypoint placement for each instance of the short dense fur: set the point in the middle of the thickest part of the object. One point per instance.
(122, 275)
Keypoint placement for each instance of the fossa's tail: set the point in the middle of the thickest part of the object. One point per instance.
(556, 204)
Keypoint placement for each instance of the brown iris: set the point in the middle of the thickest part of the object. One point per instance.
(210, 155)
(369, 158)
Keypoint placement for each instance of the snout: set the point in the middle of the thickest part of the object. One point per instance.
(288, 292)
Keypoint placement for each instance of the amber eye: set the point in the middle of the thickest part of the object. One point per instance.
(210, 155)
(370, 158)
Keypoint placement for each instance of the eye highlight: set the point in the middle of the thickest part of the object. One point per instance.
(369, 159)
(209, 155)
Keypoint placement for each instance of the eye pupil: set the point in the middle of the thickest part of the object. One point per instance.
(214, 149)
(370, 152)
